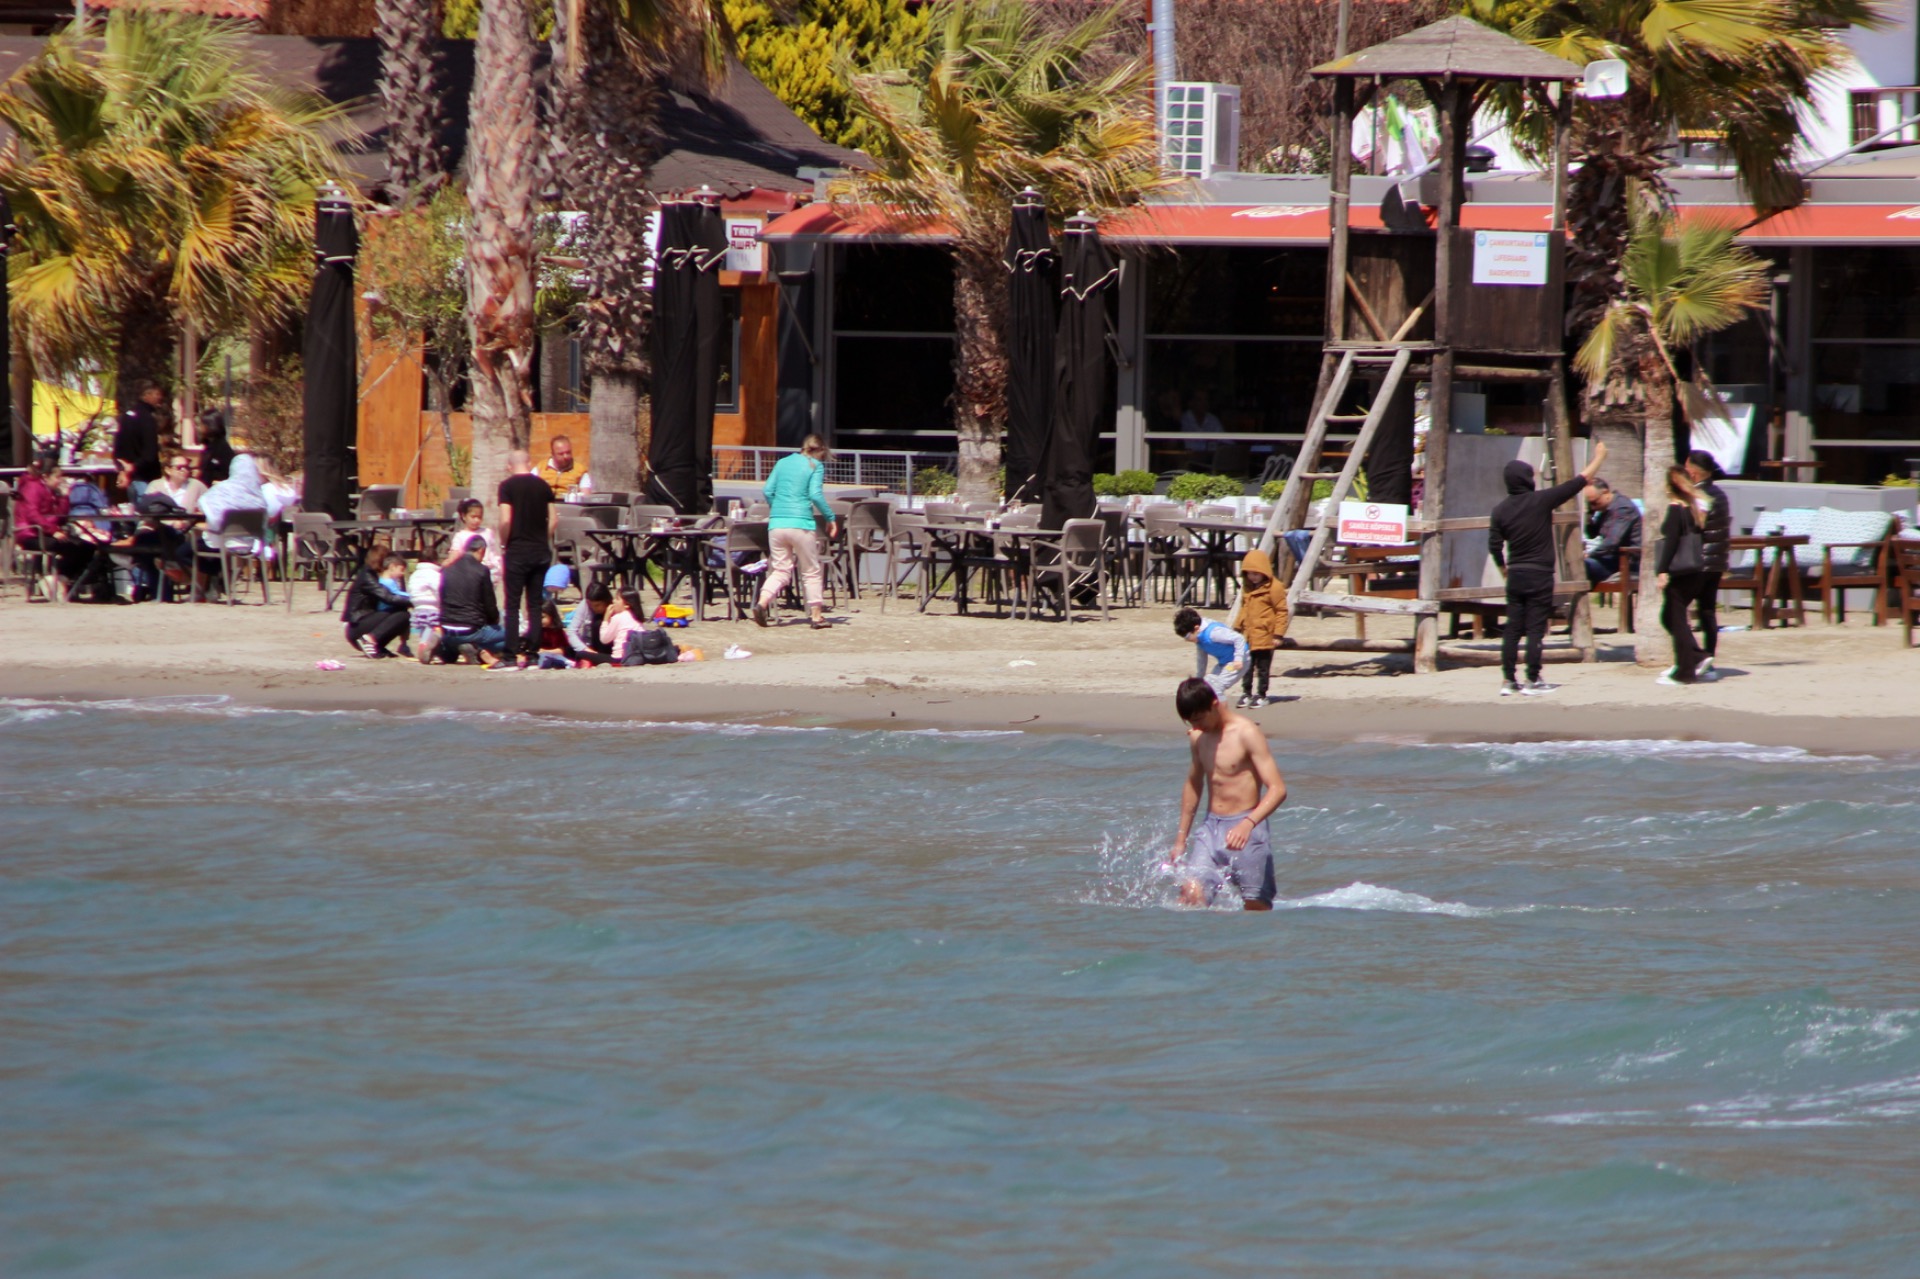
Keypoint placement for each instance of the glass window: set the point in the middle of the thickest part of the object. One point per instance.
(1256, 292)
(1865, 293)
(1866, 392)
(892, 388)
(905, 288)
(1202, 393)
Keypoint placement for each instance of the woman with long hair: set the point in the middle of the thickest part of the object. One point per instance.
(795, 490)
(1681, 567)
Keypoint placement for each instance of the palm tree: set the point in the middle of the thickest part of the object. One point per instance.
(500, 244)
(1676, 287)
(157, 181)
(416, 166)
(614, 59)
(999, 100)
(1740, 69)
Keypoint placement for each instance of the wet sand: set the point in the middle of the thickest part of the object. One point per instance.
(1822, 687)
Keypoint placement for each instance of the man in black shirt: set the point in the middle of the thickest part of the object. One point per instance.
(469, 613)
(1520, 538)
(136, 445)
(526, 544)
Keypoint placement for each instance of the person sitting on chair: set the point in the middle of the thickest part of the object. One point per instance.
(1615, 522)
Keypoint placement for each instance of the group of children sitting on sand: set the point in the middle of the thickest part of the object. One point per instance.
(1242, 652)
(449, 611)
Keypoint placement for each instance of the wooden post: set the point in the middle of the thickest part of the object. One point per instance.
(1340, 196)
(1573, 565)
(1562, 126)
(1426, 644)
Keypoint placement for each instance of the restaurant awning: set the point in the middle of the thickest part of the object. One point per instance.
(1840, 224)
(851, 222)
(1307, 225)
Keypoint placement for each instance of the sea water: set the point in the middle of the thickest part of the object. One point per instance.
(493, 995)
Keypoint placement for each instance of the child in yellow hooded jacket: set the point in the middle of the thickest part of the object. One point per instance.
(1263, 620)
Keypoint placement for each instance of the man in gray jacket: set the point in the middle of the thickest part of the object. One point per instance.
(1615, 521)
(1704, 470)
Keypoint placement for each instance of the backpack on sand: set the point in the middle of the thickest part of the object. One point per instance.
(650, 648)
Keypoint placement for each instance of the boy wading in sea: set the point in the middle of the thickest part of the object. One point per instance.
(1231, 760)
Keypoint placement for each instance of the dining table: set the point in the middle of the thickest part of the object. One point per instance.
(973, 546)
(1782, 594)
(100, 553)
(422, 535)
(1217, 536)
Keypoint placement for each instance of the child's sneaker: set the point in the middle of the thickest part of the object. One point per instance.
(1245, 704)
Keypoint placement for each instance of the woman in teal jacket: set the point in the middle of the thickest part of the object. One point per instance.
(794, 491)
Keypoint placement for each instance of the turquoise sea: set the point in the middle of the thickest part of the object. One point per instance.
(476, 996)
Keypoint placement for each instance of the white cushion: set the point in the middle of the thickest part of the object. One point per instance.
(1832, 525)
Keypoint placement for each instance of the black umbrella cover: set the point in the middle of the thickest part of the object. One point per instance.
(11, 436)
(1032, 272)
(1088, 276)
(331, 356)
(686, 351)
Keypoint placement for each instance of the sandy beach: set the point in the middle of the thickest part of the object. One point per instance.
(1823, 687)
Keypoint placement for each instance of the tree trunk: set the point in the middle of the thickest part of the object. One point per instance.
(613, 415)
(144, 352)
(408, 31)
(979, 369)
(1652, 646)
(605, 135)
(500, 245)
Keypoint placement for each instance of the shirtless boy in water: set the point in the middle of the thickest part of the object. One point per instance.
(1230, 759)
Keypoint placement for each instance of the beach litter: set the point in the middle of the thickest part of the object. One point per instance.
(1021, 661)
(329, 665)
(735, 653)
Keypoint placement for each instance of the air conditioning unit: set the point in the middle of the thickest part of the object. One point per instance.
(1199, 127)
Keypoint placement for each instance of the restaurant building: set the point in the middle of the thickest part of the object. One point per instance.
(1220, 318)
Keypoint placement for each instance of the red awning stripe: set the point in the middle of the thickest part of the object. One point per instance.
(1308, 225)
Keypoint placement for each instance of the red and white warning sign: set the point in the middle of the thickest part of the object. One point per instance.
(1372, 524)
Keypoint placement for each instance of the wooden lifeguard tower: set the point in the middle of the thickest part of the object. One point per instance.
(1420, 297)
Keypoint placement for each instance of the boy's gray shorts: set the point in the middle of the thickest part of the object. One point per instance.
(1248, 871)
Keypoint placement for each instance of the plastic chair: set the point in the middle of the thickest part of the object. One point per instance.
(909, 551)
(243, 552)
(314, 545)
(744, 537)
(377, 502)
(1169, 550)
(864, 533)
(1079, 561)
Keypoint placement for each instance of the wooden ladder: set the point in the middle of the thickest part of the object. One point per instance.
(1307, 470)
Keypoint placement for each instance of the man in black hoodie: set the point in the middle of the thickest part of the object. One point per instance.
(469, 610)
(1520, 538)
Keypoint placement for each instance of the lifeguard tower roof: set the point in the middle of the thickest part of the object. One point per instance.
(1457, 47)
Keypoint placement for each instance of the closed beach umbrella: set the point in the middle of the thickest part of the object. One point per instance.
(19, 434)
(1088, 275)
(1032, 269)
(331, 355)
(686, 353)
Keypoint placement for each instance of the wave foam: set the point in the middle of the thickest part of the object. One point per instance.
(1658, 748)
(27, 709)
(1364, 896)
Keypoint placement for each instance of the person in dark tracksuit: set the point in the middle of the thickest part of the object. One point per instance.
(1703, 470)
(1520, 539)
(1682, 552)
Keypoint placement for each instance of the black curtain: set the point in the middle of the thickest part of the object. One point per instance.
(15, 432)
(1389, 463)
(793, 418)
(686, 350)
(1032, 268)
(331, 357)
(1088, 276)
